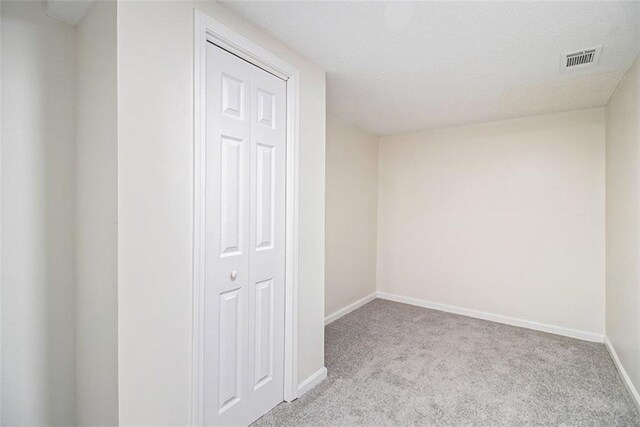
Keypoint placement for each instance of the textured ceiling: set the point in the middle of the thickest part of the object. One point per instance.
(69, 11)
(396, 67)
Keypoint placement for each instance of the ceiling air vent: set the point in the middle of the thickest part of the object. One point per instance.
(582, 59)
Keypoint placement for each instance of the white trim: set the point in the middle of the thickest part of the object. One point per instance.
(1, 272)
(558, 330)
(623, 373)
(291, 257)
(348, 309)
(207, 30)
(312, 381)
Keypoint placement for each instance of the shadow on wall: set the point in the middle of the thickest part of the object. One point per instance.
(38, 58)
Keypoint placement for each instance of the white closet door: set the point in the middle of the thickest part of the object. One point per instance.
(245, 207)
(267, 241)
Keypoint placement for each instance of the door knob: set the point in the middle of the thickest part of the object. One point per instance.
(234, 275)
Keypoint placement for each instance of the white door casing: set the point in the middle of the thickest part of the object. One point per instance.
(206, 31)
(244, 240)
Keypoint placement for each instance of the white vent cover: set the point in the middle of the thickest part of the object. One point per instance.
(581, 59)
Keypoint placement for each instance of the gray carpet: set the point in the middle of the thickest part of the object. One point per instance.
(396, 364)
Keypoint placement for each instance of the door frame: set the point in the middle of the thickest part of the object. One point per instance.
(207, 29)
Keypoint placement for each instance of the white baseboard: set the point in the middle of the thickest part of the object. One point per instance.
(558, 330)
(348, 309)
(623, 373)
(311, 381)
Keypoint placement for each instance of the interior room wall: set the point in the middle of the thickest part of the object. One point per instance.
(38, 98)
(623, 196)
(96, 354)
(504, 218)
(351, 215)
(155, 206)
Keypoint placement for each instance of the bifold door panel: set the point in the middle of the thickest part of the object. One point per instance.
(245, 239)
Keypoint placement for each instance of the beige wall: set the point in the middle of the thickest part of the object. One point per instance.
(623, 195)
(38, 98)
(504, 217)
(155, 206)
(96, 335)
(351, 215)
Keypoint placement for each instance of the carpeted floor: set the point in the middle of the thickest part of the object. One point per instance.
(396, 364)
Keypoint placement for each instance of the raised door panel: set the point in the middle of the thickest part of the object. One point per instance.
(233, 96)
(265, 193)
(231, 195)
(265, 108)
(263, 355)
(230, 352)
